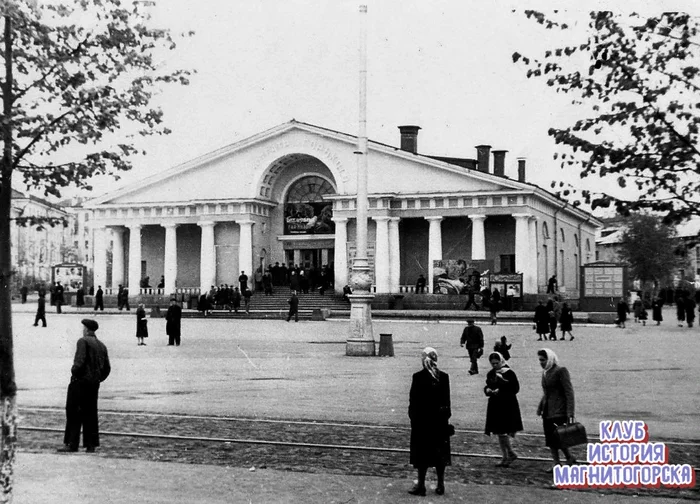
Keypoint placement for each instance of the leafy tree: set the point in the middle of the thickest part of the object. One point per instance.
(637, 80)
(650, 247)
(74, 77)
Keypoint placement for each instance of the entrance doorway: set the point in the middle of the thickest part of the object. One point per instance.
(310, 258)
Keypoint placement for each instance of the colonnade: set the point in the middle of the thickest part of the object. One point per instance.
(387, 262)
(207, 254)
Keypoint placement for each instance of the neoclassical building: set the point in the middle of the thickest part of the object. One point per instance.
(287, 195)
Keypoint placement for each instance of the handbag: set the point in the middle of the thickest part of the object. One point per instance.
(572, 434)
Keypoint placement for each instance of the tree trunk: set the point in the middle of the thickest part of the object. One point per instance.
(8, 388)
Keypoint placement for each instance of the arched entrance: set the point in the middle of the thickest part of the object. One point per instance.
(308, 226)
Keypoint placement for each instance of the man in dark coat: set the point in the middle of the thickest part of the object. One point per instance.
(59, 296)
(656, 310)
(80, 297)
(541, 320)
(236, 299)
(172, 325)
(23, 291)
(690, 310)
(293, 307)
(473, 336)
(99, 301)
(90, 368)
(552, 285)
(41, 310)
(429, 409)
(243, 281)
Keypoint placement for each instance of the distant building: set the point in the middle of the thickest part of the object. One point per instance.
(288, 195)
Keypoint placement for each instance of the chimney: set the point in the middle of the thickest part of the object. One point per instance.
(482, 156)
(499, 162)
(521, 169)
(409, 138)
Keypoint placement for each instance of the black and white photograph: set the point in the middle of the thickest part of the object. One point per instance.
(437, 193)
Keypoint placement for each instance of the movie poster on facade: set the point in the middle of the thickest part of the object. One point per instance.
(308, 218)
(70, 276)
(458, 276)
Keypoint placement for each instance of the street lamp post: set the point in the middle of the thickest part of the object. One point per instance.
(360, 340)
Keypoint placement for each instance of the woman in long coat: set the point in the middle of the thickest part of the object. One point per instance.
(541, 320)
(503, 411)
(656, 310)
(141, 324)
(557, 404)
(566, 321)
(429, 409)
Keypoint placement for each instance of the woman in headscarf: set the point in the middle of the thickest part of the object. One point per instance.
(429, 410)
(557, 404)
(503, 411)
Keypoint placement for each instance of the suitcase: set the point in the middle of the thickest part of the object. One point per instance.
(573, 434)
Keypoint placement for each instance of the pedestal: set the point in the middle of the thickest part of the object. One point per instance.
(360, 342)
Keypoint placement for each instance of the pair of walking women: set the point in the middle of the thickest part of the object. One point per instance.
(430, 410)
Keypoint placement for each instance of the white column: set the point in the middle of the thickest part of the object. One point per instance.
(245, 249)
(134, 259)
(340, 261)
(531, 288)
(478, 237)
(117, 257)
(522, 247)
(207, 260)
(170, 259)
(297, 257)
(434, 247)
(381, 258)
(394, 254)
(100, 248)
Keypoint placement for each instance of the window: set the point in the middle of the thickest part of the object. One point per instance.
(576, 240)
(563, 237)
(545, 231)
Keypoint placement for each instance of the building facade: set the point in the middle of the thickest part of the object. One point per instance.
(288, 195)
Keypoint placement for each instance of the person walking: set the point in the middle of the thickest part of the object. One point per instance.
(689, 305)
(58, 292)
(657, 310)
(243, 281)
(557, 404)
(623, 310)
(680, 308)
(172, 324)
(23, 292)
(80, 296)
(99, 299)
(566, 321)
(90, 368)
(141, 324)
(552, 320)
(246, 300)
(541, 320)
(495, 305)
(552, 285)
(429, 409)
(293, 307)
(503, 411)
(41, 310)
(473, 337)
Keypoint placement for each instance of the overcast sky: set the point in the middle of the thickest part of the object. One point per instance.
(445, 65)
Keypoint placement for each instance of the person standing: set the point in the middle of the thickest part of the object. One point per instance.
(541, 321)
(99, 301)
(236, 299)
(495, 305)
(59, 296)
(689, 305)
(243, 281)
(552, 320)
(473, 337)
(420, 284)
(90, 368)
(41, 310)
(657, 310)
(680, 308)
(566, 321)
(141, 324)
(503, 411)
(23, 291)
(80, 296)
(557, 404)
(172, 324)
(503, 348)
(293, 307)
(429, 409)
(258, 278)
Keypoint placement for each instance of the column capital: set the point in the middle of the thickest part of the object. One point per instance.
(521, 215)
(477, 216)
(171, 225)
(135, 227)
(381, 218)
(394, 219)
(437, 218)
(339, 220)
(247, 222)
(206, 223)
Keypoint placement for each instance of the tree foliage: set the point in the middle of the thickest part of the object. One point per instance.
(650, 248)
(76, 85)
(636, 79)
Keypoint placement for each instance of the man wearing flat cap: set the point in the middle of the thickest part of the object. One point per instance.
(473, 337)
(90, 368)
